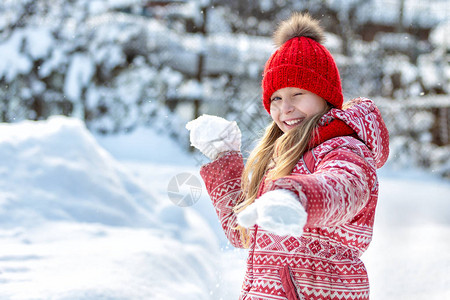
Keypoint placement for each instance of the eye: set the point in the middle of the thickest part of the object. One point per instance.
(276, 98)
(298, 94)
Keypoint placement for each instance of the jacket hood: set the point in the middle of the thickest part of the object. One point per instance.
(364, 118)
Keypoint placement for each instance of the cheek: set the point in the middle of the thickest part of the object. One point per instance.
(275, 115)
(273, 109)
(315, 106)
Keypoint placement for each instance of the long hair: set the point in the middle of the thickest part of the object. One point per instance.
(275, 156)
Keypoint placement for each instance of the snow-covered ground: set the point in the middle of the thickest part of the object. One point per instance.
(81, 222)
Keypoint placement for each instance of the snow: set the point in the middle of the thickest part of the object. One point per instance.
(22, 47)
(213, 135)
(82, 222)
(439, 35)
(265, 5)
(216, 21)
(277, 211)
(400, 64)
(122, 3)
(17, 62)
(427, 65)
(80, 71)
(145, 145)
(388, 12)
(39, 42)
(191, 89)
(57, 58)
(409, 257)
(75, 223)
(73, 178)
(86, 217)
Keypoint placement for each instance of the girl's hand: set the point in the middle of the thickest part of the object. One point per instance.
(214, 135)
(278, 211)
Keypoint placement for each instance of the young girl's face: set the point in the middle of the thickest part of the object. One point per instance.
(290, 106)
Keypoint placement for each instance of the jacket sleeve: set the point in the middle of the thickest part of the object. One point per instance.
(336, 192)
(222, 179)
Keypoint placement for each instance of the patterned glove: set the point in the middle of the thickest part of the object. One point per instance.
(213, 135)
(278, 211)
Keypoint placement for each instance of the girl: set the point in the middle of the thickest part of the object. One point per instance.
(304, 203)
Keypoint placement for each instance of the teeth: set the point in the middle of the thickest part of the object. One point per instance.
(293, 122)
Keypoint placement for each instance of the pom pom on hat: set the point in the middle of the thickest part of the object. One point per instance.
(296, 26)
(301, 61)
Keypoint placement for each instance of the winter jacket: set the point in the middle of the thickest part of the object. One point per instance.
(336, 183)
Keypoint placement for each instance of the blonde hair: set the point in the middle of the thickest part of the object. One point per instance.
(275, 156)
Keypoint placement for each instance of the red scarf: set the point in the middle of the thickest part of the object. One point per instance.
(331, 130)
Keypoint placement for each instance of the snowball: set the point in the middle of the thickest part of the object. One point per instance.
(280, 212)
(277, 211)
(247, 218)
(213, 135)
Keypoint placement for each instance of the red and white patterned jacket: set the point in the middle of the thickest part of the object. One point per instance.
(337, 185)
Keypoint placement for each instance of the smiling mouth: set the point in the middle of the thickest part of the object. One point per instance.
(293, 122)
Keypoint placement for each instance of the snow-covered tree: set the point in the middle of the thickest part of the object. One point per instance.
(122, 64)
(80, 58)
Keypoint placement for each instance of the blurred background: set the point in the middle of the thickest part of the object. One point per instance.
(123, 64)
(94, 98)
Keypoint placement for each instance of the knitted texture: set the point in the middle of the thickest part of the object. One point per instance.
(334, 129)
(339, 193)
(304, 63)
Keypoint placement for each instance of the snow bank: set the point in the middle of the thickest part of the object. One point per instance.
(144, 144)
(92, 261)
(77, 224)
(55, 170)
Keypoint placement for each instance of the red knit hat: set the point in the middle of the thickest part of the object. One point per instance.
(301, 61)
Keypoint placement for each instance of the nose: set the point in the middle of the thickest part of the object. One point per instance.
(286, 106)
